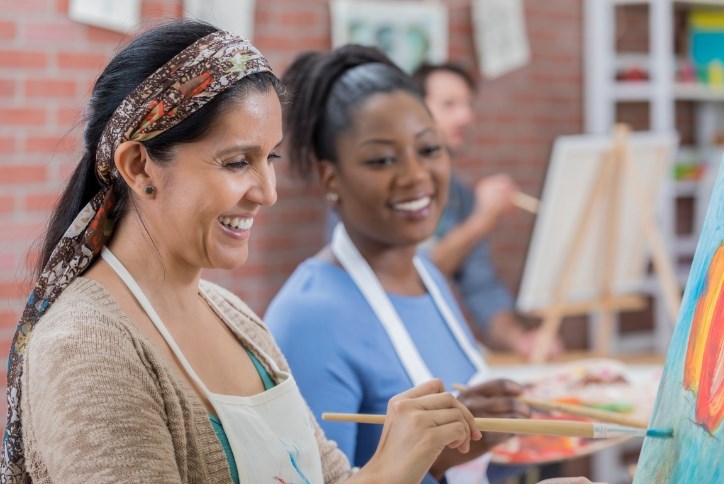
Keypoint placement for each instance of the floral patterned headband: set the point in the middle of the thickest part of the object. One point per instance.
(171, 94)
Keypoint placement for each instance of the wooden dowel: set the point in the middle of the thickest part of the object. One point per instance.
(526, 202)
(582, 411)
(505, 425)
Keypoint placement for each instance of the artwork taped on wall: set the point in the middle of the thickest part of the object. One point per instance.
(108, 14)
(690, 398)
(408, 32)
(235, 16)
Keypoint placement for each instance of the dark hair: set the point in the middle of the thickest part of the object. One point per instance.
(325, 86)
(131, 66)
(425, 70)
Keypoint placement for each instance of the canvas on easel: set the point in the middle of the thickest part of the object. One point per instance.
(690, 398)
(595, 231)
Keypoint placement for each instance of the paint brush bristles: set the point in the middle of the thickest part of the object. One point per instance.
(591, 430)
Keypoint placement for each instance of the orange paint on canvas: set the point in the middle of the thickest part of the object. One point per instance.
(704, 368)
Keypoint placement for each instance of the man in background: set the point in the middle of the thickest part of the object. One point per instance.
(460, 249)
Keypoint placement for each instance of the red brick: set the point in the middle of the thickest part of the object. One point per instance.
(41, 202)
(7, 88)
(299, 18)
(155, 10)
(96, 34)
(10, 290)
(7, 145)
(11, 174)
(53, 31)
(7, 204)
(8, 30)
(82, 60)
(50, 88)
(21, 58)
(24, 6)
(26, 231)
(68, 116)
(61, 6)
(50, 144)
(8, 262)
(8, 319)
(22, 116)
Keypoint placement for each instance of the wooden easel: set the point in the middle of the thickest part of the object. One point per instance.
(616, 167)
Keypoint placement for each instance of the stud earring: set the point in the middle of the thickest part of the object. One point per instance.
(332, 197)
(149, 189)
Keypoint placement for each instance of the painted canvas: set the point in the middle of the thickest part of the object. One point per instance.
(574, 168)
(691, 394)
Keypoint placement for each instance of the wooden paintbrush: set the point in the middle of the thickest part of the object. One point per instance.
(526, 202)
(569, 428)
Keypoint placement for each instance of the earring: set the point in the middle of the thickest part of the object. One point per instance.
(332, 197)
(149, 189)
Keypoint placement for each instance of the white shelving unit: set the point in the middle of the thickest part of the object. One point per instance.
(603, 93)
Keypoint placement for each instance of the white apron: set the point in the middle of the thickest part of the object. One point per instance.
(366, 281)
(271, 433)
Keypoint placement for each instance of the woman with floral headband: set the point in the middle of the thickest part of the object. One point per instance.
(128, 367)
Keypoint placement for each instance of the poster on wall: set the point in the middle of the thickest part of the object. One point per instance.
(410, 33)
(501, 40)
(236, 16)
(107, 14)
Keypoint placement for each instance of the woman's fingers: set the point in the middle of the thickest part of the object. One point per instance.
(437, 401)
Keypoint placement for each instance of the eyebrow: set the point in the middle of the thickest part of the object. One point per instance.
(243, 148)
(386, 141)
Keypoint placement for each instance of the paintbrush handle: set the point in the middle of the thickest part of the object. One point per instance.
(504, 425)
(581, 411)
(526, 202)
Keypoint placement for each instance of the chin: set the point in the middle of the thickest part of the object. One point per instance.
(229, 262)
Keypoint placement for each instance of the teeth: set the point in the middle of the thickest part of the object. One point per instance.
(237, 223)
(413, 205)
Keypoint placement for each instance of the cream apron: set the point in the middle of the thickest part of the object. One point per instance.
(271, 433)
(367, 283)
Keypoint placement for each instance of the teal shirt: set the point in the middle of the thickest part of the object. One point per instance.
(219, 429)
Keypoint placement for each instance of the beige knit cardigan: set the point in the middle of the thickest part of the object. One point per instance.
(101, 405)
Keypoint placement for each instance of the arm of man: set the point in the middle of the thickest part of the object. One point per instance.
(475, 215)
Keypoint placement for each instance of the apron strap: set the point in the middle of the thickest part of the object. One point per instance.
(473, 354)
(135, 289)
(373, 292)
(370, 287)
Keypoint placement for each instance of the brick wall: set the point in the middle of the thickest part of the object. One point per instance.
(48, 64)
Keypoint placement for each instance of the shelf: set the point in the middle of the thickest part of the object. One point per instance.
(637, 91)
(686, 244)
(632, 91)
(709, 3)
(686, 188)
(698, 92)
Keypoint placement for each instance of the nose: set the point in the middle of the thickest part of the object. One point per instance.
(264, 189)
(413, 170)
(465, 114)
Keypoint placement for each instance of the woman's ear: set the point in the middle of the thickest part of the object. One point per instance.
(133, 163)
(328, 178)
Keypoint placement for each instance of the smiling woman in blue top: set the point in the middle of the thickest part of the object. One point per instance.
(366, 318)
